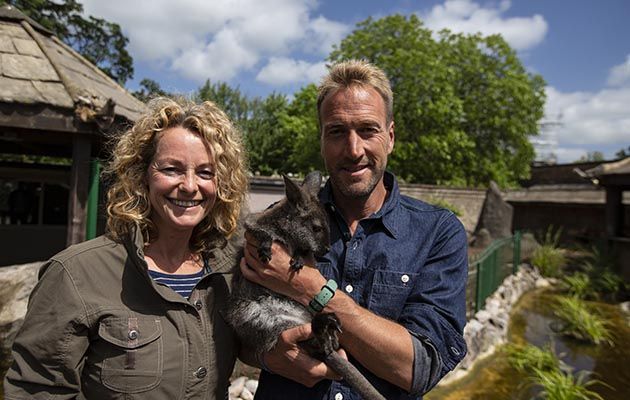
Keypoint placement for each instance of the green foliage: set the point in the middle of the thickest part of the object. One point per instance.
(549, 260)
(231, 100)
(529, 358)
(149, 89)
(578, 285)
(623, 153)
(98, 40)
(436, 201)
(33, 159)
(580, 323)
(562, 385)
(465, 106)
(592, 156)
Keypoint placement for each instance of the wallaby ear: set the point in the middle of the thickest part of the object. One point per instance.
(293, 191)
(312, 183)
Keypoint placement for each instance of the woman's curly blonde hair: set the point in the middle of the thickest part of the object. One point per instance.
(128, 202)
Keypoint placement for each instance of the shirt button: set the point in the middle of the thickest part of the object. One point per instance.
(133, 334)
(454, 350)
(198, 304)
(201, 372)
(349, 289)
(354, 247)
(405, 278)
(339, 396)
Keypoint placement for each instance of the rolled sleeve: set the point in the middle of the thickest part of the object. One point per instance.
(436, 308)
(49, 349)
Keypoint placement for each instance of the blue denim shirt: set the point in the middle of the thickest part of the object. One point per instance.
(407, 263)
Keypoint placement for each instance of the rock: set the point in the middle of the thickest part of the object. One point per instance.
(16, 284)
(496, 215)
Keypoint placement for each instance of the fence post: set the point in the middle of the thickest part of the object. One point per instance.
(516, 252)
(92, 206)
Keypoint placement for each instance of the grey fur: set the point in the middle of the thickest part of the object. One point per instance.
(259, 315)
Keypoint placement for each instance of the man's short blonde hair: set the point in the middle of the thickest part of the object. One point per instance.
(356, 73)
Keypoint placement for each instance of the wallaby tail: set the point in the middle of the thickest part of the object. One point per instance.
(354, 377)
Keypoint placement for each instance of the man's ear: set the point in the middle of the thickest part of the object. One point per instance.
(392, 137)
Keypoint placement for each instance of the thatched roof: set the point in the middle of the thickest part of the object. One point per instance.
(37, 68)
(615, 168)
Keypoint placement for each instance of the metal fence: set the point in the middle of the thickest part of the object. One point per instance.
(488, 269)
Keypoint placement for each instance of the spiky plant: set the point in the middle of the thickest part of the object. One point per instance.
(562, 385)
(527, 358)
(580, 322)
(579, 285)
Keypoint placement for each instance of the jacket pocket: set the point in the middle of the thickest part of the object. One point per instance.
(133, 353)
(390, 290)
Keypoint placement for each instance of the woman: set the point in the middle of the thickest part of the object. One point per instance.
(136, 314)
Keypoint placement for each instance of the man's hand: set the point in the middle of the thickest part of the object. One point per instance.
(291, 361)
(277, 275)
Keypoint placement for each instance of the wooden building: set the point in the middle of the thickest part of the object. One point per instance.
(54, 105)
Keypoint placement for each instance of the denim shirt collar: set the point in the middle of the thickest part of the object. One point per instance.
(387, 214)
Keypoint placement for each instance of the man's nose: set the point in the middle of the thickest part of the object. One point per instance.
(354, 145)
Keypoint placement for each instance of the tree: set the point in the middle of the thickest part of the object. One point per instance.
(99, 41)
(231, 100)
(149, 89)
(623, 153)
(269, 145)
(592, 156)
(464, 106)
(301, 122)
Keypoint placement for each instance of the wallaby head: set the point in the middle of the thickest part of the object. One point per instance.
(307, 222)
(299, 220)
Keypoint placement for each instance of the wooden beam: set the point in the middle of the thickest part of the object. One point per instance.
(79, 184)
(614, 210)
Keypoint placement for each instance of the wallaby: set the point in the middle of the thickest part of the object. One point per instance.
(259, 315)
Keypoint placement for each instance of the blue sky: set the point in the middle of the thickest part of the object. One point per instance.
(580, 47)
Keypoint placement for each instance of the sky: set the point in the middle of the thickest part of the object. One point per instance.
(580, 47)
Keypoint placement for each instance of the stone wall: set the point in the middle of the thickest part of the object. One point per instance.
(488, 328)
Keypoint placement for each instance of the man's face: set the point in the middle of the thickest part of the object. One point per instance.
(356, 140)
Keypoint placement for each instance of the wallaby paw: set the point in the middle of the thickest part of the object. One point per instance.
(264, 253)
(296, 264)
(326, 327)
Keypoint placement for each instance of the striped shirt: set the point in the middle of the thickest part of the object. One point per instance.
(182, 284)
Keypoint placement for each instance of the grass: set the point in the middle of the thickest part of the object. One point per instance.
(580, 323)
(563, 385)
(549, 260)
(579, 285)
(529, 358)
(546, 371)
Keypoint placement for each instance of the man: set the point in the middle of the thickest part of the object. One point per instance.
(400, 264)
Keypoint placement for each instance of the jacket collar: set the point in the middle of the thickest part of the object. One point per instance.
(388, 214)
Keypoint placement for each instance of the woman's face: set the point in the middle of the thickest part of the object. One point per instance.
(181, 180)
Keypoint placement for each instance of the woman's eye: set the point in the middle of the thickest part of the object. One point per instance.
(169, 170)
(206, 174)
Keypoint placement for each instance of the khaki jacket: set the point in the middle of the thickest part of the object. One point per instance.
(98, 327)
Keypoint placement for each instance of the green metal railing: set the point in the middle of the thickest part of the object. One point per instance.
(92, 203)
(487, 270)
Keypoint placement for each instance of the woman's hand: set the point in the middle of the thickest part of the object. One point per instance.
(277, 275)
(291, 361)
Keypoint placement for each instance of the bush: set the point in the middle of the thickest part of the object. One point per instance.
(579, 285)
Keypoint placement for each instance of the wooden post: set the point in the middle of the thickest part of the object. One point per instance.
(79, 183)
(613, 211)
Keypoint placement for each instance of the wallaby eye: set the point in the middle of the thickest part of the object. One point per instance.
(317, 228)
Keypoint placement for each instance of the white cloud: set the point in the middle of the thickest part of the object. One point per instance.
(589, 120)
(218, 39)
(284, 71)
(467, 16)
(620, 74)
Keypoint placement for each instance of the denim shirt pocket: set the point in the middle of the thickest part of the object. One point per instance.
(389, 293)
(132, 353)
